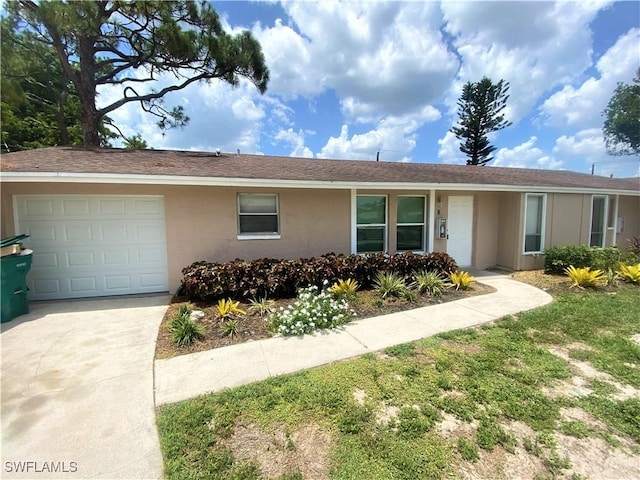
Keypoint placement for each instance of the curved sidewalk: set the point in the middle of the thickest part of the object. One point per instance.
(188, 376)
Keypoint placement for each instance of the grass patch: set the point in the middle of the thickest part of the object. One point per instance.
(486, 378)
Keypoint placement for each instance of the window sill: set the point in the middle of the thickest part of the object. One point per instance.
(533, 253)
(263, 236)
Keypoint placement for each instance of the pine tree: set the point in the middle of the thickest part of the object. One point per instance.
(480, 112)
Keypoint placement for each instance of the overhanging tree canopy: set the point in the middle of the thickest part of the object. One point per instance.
(131, 43)
(622, 119)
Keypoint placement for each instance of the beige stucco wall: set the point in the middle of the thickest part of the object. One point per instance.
(486, 225)
(629, 209)
(201, 222)
(509, 226)
(568, 222)
(566, 219)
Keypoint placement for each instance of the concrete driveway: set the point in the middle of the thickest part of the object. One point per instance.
(77, 390)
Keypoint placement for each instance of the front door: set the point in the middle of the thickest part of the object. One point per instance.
(460, 229)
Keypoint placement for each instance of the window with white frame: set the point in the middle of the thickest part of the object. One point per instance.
(258, 214)
(371, 223)
(410, 231)
(535, 205)
(598, 219)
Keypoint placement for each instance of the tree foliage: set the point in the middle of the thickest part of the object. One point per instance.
(480, 112)
(39, 106)
(128, 45)
(622, 119)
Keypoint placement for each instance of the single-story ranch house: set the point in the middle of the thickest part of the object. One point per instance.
(111, 221)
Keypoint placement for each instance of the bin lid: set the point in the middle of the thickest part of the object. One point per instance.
(5, 242)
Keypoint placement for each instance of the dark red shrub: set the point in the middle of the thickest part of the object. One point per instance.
(268, 277)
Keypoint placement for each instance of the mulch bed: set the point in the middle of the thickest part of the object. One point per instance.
(253, 327)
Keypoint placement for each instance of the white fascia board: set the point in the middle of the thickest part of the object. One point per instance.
(59, 177)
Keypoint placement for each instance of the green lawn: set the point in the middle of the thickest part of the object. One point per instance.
(382, 416)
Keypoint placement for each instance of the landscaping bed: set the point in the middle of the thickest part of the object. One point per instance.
(253, 327)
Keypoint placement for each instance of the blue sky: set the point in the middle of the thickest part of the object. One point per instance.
(349, 79)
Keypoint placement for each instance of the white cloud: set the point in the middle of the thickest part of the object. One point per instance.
(449, 151)
(532, 45)
(382, 58)
(296, 141)
(525, 155)
(221, 116)
(582, 106)
(588, 147)
(394, 137)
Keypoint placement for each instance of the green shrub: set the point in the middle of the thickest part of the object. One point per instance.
(230, 328)
(558, 259)
(184, 330)
(273, 278)
(389, 285)
(430, 282)
(262, 306)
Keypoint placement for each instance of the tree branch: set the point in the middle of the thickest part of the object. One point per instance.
(154, 95)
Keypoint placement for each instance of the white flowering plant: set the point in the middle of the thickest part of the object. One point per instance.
(313, 309)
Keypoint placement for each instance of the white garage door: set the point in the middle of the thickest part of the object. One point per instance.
(93, 245)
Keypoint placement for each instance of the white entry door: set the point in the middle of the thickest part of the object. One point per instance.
(460, 229)
(93, 245)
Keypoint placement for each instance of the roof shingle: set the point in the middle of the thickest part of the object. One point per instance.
(244, 166)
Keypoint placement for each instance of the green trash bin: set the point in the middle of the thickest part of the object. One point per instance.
(13, 285)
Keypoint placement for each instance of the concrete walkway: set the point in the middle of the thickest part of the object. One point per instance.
(188, 376)
(77, 390)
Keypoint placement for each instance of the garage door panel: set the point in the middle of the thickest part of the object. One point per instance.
(45, 260)
(78, 233)
(46, 287)
(94, 245)
(38, 208)
(115, 282)
(147, 208)
(81, 259)
(112, 207)
(74, 208)
(114, 258)
(43, 232)
(84, 286)
(150, 280)
(112, 232)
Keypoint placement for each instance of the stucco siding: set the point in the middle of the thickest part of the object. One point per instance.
(509, 228)
(629, 210)
(486, 229)
(566, 218)
(201, 222)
